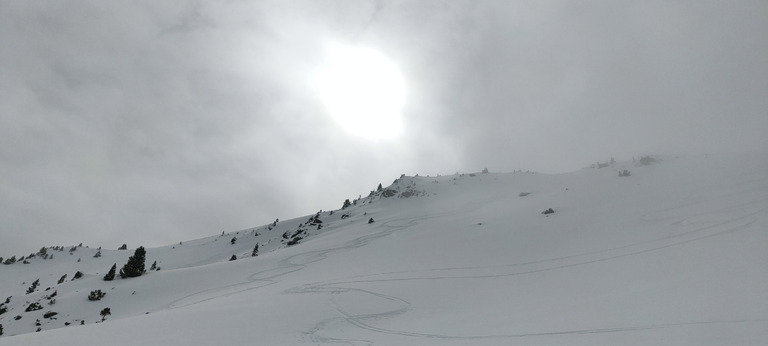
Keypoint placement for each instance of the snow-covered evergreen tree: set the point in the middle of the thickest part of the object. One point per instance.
(111, 274)
(135, 265)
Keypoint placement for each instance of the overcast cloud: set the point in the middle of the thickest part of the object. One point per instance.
(151, 122)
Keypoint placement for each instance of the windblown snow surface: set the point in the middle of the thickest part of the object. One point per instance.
(674, 254)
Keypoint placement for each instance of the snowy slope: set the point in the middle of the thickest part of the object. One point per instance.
(673, 254)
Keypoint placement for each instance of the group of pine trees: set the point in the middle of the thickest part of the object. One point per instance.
(133, 268)
(135, 265)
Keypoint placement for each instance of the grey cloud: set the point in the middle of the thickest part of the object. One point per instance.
(153, 122)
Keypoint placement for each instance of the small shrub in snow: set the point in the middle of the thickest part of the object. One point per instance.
(370, 220)
(647, 160)
(17, 317)
(104, 313)
(34, 307)
(624, 173)
(78, 275)
(255, 251)
(346, 205)
(388, 193)
(233, 241)
(233, 258)
(96, 295)
(61, 280)
(523, 194)
(314, 220)
(50, 314)
(548, 211)
(33, 287)
(1, 329)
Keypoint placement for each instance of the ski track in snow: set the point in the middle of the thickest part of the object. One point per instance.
(691, 219)
(285, 266)
(741, 220)
(735, 218)
(400, 306)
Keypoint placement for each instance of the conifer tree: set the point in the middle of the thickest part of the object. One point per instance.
(255, 250)
(111, 274)
(135, 265)
(33, 287)
(104, 313)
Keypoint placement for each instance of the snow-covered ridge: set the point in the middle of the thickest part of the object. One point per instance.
(670, 253)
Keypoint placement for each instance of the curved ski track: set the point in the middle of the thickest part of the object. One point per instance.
(401, 306)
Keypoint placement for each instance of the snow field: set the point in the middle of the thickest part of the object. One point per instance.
(673, 254)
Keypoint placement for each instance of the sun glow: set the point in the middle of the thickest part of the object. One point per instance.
(363, 91)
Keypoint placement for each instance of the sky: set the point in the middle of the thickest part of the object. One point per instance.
(149, 123)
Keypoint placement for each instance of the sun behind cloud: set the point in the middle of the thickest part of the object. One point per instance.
(363, 91)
